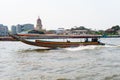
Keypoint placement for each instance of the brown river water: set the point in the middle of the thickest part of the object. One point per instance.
(19, 61)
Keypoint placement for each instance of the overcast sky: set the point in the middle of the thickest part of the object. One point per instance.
(94, 14)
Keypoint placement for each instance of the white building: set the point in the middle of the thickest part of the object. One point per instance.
(60, 31)
(3, 30)
(79, 32)
(21, 28)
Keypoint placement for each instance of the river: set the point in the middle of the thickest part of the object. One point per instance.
(19, 61)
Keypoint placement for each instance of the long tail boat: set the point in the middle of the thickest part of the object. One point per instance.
(53, 44)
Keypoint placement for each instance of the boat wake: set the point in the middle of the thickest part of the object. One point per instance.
(112, 45)
(81, 48)
(91, 47)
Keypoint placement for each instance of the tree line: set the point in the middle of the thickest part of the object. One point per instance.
(110, 31)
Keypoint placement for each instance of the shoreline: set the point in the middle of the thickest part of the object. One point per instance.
(7, 39)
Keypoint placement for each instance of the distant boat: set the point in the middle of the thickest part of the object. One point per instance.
(53, 44)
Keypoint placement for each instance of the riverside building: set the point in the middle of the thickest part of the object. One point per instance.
(3, 30)
(21, 28)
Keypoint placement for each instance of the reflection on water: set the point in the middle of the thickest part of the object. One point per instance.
(24, 62)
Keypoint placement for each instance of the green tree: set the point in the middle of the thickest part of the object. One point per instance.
(116, 28)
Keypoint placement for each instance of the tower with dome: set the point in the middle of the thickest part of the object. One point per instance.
(39, 24)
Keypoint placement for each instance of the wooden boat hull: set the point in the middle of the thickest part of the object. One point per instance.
(64, 44)
(50, 44)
